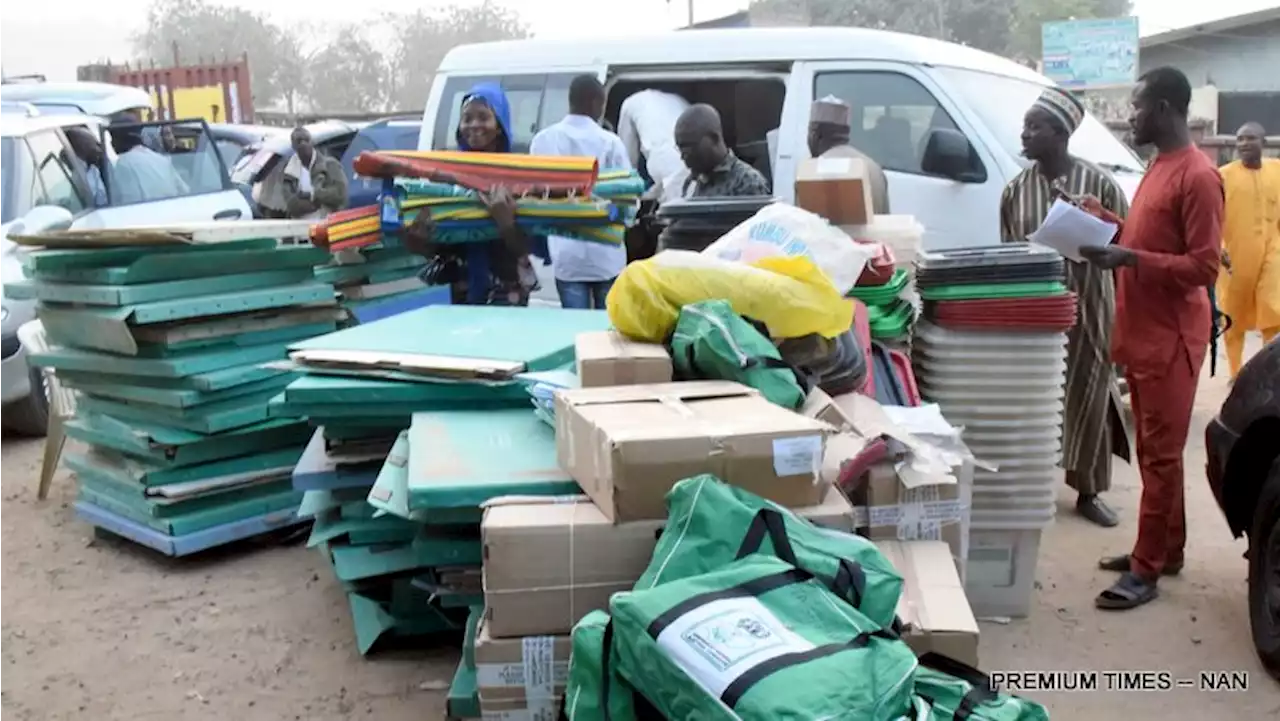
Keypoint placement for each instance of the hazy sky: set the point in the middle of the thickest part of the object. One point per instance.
(54, 39)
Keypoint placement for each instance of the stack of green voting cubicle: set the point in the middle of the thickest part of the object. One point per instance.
(164, 341)
(376, 283)
(419, 421)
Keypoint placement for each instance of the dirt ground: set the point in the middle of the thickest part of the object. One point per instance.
(101, 629)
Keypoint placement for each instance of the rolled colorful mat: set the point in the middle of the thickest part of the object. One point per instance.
(537, 175)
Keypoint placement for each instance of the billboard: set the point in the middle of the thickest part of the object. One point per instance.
(1088, 54)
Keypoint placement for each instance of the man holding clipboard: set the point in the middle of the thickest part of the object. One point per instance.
(1165, 256)
(1093, 423)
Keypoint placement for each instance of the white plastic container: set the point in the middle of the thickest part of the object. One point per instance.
(939, 336)
(1001, 572)
(1025, 395)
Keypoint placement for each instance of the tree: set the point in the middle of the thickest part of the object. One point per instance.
(424, 38)
(201, 30)
(348, 74)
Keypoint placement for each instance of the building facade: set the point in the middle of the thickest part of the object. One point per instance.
(1236, 57)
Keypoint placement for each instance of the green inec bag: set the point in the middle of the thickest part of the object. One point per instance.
(756, 640)
(711, 342)
(584, 695)
(959, 692)
(711, 523)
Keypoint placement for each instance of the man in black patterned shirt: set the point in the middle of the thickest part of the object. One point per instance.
(714, 171)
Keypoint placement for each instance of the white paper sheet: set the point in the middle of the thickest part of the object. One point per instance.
(1067, 229)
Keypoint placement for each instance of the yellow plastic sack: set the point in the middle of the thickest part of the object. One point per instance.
(791, 296)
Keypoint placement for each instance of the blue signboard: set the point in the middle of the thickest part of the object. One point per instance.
(1086, 54)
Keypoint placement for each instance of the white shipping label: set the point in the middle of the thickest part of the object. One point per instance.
(928, 513)
(524, 714)
(538, 653)
(511, 675)
(797, 456)
(834, 166)
(718, 642)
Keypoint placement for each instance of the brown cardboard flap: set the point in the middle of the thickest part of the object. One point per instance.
(412, 363)
(933, 605)
(653, 393)
(608, 358)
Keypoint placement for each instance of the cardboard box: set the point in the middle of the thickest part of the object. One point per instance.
(608, 358)
(835, 188)
(549, 562)
(509, 669)
(897, 501)
(933, 606)
(628, 445)
(505, 709)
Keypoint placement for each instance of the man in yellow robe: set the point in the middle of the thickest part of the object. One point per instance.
(1249, 287)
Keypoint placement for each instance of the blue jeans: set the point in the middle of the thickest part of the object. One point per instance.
(583, 295)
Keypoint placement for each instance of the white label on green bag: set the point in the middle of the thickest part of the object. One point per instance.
(718, 642)
(797, 456)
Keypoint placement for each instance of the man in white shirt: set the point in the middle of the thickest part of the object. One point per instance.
(584, 271)
(647, 126)
(141, 174)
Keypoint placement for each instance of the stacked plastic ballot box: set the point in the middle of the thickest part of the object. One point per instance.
(991, 352)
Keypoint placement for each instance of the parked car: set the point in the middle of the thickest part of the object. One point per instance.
(1243, 444)
(944, 121)
(234, 141)
(261, 175)
(388, 134)
(104, 100)
(42, 187)
(238, 142)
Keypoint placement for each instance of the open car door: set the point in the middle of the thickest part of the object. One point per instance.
(163, 173)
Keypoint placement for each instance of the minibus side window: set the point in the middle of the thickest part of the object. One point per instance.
(893, 115)
(536, 101)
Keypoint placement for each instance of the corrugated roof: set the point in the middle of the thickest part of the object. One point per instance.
(1215, 27)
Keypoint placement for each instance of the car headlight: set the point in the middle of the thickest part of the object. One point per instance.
(4, 314)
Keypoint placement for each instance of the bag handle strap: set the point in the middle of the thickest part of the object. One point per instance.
(644, 710)
(981, 692)
(768, 521)
(605, 677)
(850, 580)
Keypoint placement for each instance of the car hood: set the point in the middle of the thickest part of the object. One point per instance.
(1129, 183)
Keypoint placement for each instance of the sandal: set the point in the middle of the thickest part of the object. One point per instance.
(1129, 592)
(1120, 564)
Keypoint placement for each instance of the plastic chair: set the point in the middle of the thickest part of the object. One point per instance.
(62, 405)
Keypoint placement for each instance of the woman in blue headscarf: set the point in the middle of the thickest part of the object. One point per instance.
(497, 273)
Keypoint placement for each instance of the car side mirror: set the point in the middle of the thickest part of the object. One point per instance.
(949, 154)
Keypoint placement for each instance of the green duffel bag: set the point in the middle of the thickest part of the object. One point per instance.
(958, 692)
(711, 342)
(711, 523)
(584, 693)
(756, 640)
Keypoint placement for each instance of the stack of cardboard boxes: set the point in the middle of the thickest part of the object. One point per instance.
(626, 437)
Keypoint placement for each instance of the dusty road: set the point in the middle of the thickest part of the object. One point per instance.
(100, 629)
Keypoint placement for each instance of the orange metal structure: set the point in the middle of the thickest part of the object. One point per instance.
(217, 92)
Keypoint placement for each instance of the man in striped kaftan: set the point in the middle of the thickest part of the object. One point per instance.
(1093, 424)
